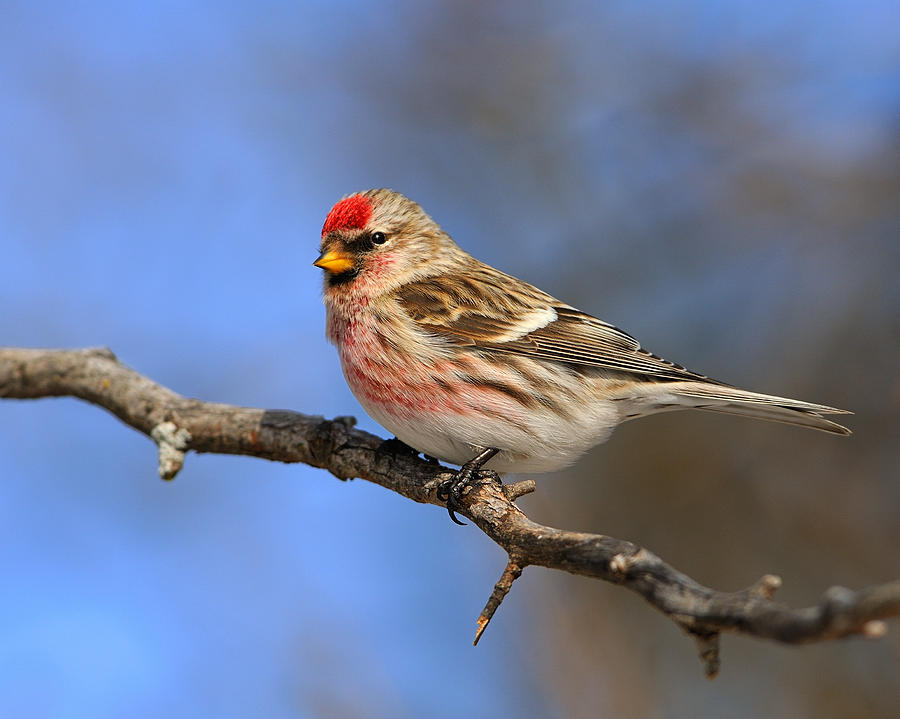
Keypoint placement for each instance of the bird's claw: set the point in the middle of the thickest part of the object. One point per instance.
(451, 490)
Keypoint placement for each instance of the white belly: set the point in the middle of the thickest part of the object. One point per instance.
(529, 442)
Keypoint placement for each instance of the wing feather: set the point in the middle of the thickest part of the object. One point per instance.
(496, 312)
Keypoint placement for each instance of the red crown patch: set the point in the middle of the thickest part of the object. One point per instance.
(350, 213)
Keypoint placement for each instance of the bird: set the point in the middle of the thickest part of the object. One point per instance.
(474, 367)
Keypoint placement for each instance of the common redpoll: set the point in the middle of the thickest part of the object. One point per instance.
(472, 366)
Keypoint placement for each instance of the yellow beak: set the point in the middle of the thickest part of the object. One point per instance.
(335, 262)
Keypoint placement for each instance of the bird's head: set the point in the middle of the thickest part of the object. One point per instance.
(374, 241)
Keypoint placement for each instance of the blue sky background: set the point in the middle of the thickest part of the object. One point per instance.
(720, 179)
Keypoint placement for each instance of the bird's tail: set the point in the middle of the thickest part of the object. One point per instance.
(730, 400)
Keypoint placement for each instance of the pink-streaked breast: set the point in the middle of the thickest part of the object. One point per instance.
(379, 374)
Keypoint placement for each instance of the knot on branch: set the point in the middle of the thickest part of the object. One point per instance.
(172, 442)
(621, 564)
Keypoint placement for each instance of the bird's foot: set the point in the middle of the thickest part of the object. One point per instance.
(451, 490)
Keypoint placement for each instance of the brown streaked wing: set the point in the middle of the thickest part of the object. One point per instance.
(493, 311)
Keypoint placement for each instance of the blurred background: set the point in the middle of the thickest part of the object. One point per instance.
(720, 179)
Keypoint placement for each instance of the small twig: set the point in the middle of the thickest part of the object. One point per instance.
(510, 574)
(519, 489)
(766, 587)
(708, 649)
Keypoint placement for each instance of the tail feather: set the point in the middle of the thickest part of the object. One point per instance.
(730, 400)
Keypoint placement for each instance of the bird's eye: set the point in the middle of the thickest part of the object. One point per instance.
(378, 238)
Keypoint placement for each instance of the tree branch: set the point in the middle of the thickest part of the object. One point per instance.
(178, 424)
